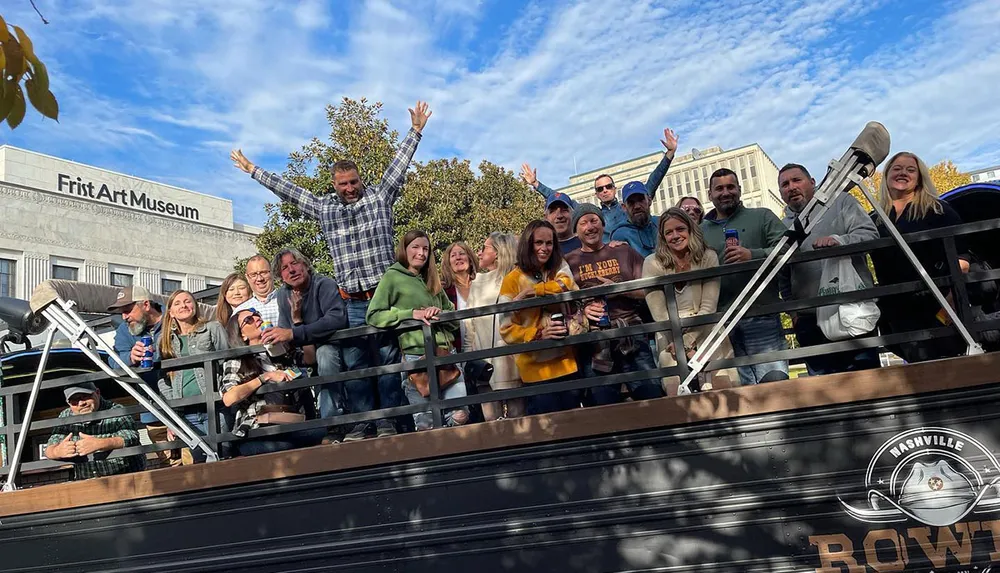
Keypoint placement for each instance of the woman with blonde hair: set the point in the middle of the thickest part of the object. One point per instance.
(496, 260)
(234, 291)
(680, 247)
(909, 197)
(411, 289)
(458, 270)
(185, 333)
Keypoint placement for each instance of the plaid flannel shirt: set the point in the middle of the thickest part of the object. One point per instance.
(247, 410)
(359, 235)
(99, 464)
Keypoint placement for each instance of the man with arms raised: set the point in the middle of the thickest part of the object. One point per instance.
(759, 230)
(604, 186)
(357, 224)
(844, 223)
(641, 228)
(595, 264)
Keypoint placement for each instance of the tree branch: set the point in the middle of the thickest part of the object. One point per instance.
(44, 21)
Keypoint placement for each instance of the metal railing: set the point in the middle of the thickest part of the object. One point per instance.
(211, 401)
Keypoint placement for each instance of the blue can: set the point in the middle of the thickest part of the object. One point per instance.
(732, 238)
(147, 356)
(605, 318)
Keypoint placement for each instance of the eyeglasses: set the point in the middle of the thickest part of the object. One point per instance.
(609, 187)
(259, 274)
(249, 319)
(692, 209)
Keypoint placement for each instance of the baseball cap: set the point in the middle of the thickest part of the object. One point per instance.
(128, 295)
(558, 198)
(81, 388)
(633, 188)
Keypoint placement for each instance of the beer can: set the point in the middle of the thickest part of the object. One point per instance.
(732, 238)
(147, 355)
(605, 318)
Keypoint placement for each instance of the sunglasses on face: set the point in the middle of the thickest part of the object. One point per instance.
(609, 187)
(249, 319)
(693, 209)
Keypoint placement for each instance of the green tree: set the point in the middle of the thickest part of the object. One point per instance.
(443, 197)
(356, 133)
(18, 63)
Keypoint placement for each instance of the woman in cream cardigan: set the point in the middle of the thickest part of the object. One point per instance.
(680, 247)
(496, 259)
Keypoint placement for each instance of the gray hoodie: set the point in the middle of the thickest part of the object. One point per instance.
(846, 222)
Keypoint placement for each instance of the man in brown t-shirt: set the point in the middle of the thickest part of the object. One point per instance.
(594, 264)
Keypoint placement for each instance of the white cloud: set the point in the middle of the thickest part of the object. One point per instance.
(592, 80)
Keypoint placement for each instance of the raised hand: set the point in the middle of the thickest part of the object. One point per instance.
(529, 175)
(241, 162)
(419, 116)
(669, 141)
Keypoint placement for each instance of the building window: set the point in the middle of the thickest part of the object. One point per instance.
(991, 175)
(65, 273)
(168, 286)
(7, 277)
(121, 280)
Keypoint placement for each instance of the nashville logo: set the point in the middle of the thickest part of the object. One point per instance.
(934, 477)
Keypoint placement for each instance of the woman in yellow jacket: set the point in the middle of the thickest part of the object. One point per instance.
(540, 271)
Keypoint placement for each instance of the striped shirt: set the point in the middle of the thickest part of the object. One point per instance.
(99, 464)
(359, 235)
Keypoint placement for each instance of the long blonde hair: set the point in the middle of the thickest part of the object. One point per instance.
(172, 326)
(696, 240)
(429, 273)
(925, 196)
(506, 247)
(447, 273)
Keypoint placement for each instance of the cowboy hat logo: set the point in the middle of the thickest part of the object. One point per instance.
(935, 476)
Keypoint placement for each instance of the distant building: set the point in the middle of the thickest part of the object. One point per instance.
(65, 220)
(984, 175)
(688, 176)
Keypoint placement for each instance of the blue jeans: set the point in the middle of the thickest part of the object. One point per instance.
(424, 420)
(757, 335)
(300, 439)
(198, 421)
(638, 360)
(328, 363)
(358, 354)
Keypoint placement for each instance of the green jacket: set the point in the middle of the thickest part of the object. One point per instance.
(397, 295)
(760, 230)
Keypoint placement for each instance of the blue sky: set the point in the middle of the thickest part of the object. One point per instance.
(162, 89)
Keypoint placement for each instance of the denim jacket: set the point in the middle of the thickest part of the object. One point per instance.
(209, 337)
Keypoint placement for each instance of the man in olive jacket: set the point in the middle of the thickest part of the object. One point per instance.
(759, 231)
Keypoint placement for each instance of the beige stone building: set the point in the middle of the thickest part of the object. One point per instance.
(688, 175)
(65, 220)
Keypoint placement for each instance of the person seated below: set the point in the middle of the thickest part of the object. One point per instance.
(89, 444)
(242, 378)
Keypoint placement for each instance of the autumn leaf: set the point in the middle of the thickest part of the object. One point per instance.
(26, 48)
(42, 99)
(7, 94)
(14, 65)
(16, 114)
(4, 33)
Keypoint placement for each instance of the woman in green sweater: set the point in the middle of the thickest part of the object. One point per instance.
(409, 289)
